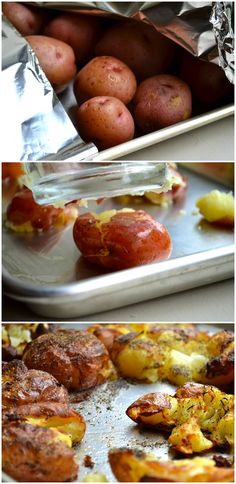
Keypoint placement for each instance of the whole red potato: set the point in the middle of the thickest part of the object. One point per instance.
(81, 32)
(27, 20)
(161, 101)
(121, 239)
(56, 58)
(208, 82)
(140, 46)
(105, 121)
(105, 76)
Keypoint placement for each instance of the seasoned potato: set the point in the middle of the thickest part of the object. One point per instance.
(16, 336)
(105, 121)
(176, 354)
(26, 215)
(56, 58)
(140, 46)
(121, 239)
(76, 358)
(161, 101)
(81, 32)
(22, 386)
(207, 81)
(37, 454)
(136, 466)
(201, 417)
(27, 20)
(50, 415)
(217, 207)
(105, 76)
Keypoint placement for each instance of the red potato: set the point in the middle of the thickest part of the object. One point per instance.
(24, 214)
(105, 76)
(140, 46)
(161, 101)
(56, 58)
(208, 82)
(26, 19)
(81, 32)
(105, 121)
(121, 239)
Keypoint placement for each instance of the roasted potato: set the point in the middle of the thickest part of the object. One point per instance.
(56, 416)
(201, 417)
(37, 454)
(81, 32)
(136, 466)
(105, 121)
(22, 386)
(27, 19)
(140, 46)
(105, 76)
(121, 239)
(76, 358)
(161, 101)
(16, 336)
(26, 215)
(12, 171)
(177, 355)
(217, 207)
(56, 58)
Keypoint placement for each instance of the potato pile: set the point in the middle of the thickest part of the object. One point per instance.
(128, 78)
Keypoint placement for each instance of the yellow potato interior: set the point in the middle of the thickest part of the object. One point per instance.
(216, 206)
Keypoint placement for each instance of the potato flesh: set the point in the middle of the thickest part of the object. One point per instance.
(71, 430)
(216, 206)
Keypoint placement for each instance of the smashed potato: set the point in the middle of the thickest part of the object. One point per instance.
(175, 354)
(16, 336)
(50, 415)
(76, 358)
(21, 386)
(217, 207)
(26, 215)
(121, 239)
(136, 466)
(37, 454)
(201, 416)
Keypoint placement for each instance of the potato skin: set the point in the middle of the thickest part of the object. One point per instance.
(56, 58)
(81, 32)
(207, 81)
(105, 76)
(128, 239)
(76, 358)
(22, 386)
(140, 46)
(26, 19)
(161, 101)
(105, 121)
(135, 466)
(32, 454)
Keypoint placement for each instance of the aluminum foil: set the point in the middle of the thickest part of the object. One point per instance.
(36, 126)
(222, 21)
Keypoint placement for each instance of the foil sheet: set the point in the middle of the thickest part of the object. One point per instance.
(222, 21)
(36, 126)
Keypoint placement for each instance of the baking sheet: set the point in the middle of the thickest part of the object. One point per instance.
(109, 427)
(47, 273)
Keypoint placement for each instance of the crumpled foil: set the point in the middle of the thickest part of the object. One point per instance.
(36, 126)
(222, 21)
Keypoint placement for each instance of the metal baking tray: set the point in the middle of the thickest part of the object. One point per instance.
(46, 272)
(109, 427)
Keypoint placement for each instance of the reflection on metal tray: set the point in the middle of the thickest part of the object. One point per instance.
(46, 272)
(109, 427)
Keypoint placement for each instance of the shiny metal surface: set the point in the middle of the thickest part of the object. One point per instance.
(109, 427)
(46, 271)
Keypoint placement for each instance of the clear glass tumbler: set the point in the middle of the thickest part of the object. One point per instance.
(61, 182)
